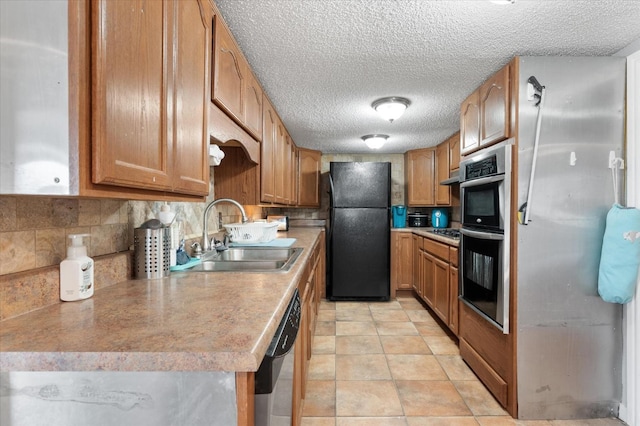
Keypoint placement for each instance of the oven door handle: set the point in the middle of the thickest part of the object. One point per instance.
(482, 235)
(482, 181)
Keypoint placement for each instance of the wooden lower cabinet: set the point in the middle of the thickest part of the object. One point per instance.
(441, 289)
(454, 290)
(453, 300)
(310, 288)
(401, 261)
(417, 264)
(427, 284)
(435, 278)
(489, 353)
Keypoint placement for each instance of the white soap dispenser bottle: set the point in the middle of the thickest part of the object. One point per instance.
(76, 271)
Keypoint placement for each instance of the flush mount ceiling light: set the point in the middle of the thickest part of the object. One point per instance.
(391, 108)
(375, 141)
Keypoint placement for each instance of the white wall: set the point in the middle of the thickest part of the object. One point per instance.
(630, 407)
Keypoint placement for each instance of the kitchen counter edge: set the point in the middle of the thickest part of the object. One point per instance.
(426, 232)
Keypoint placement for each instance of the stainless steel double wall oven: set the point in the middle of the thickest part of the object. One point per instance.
(485, 194)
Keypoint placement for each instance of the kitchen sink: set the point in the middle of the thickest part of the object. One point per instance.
(249, 259)
(238, 254)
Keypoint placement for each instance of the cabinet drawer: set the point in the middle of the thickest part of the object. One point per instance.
(453, 256)
(437, 249)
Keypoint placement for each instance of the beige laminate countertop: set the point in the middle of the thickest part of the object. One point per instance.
(426, 232)
(216, 321)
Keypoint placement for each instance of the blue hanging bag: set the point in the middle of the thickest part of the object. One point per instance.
(620, 259)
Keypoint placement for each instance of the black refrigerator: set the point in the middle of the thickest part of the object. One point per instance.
(359, 235)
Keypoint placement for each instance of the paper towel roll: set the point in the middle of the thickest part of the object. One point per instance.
(215, 155)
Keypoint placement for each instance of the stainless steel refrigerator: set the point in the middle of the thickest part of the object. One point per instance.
(359, 235)
(569, 341)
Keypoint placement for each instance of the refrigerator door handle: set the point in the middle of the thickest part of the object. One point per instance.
(331, 191)
(331, 203)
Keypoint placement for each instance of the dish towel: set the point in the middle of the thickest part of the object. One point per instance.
(618, 275)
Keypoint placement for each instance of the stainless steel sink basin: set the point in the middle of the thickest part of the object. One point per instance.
(237, 253)
(249, 259)
(251, 265)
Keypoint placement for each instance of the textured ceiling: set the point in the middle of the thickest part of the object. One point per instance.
(323, 62)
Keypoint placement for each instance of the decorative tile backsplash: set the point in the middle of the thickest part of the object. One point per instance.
(34, 230)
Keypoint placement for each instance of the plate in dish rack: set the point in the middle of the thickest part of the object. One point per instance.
(253, 232)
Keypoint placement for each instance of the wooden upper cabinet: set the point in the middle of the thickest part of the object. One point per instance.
(309, 177)
(484, 115)
(281, 154)
(287, 168)
(130, 86)
(454, 152)
(294, 174)
(235, 89)
(190, 97)
(268, 153)
(228, 72)
(253, 105)
(442, 192)
(494, 108)
(470, 123)
(419, 177)
(149, 69)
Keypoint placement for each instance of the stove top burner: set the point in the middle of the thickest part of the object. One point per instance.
(447, 232)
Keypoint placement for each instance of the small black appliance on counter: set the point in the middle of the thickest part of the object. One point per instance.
(417, 220)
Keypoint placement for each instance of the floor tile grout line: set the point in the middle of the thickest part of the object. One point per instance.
(387, 362)
(394, 380)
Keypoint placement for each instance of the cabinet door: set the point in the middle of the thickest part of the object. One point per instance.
(420, 173)
(494, 108)
(404, 249)
(428, 274)
(129, 92)
(454, 152)
(228, 73)
(252, 105)
(309, 177)
(287, 169)
(453, 299)
(295, 173)
(192, 44)
(281, 155)
(470, 123)
(417, 256)
(268, 152)
(441, 289)
(443, 192)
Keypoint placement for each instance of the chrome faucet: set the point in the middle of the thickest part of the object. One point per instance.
(206, 244)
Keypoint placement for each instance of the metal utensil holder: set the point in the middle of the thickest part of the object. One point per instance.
(152, 249)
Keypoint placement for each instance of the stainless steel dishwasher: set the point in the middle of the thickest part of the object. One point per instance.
(274, 378)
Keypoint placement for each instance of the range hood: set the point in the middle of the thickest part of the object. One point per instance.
(454, 178)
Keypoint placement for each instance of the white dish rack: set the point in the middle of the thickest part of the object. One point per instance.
(252, 232)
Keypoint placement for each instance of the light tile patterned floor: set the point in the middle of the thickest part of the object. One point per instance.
(390, 364)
